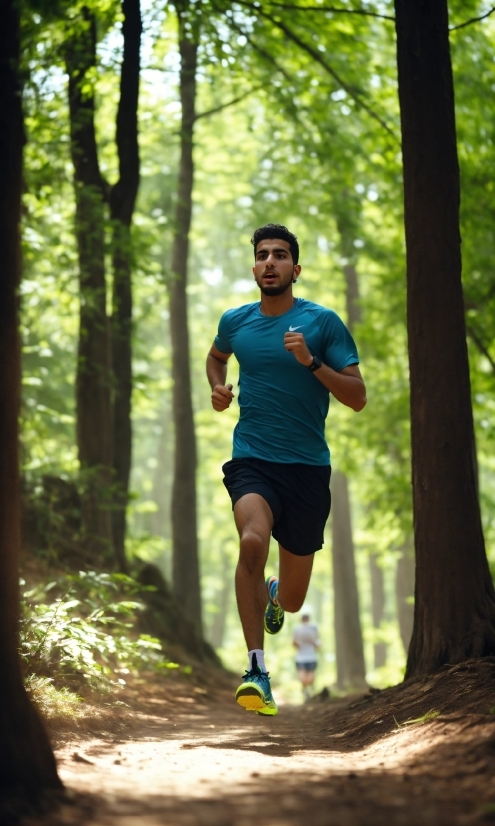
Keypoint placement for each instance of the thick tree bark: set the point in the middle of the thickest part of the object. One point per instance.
(93, 401)
(454, 616)
(122, 201)
(404, 590)
(28, 774)
(351, 671)
(347, 628)
(185, 563)
(377, 608)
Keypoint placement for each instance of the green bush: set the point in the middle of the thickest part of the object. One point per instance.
(79, 630)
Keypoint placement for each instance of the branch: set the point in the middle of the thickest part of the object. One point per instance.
(266, 55)
(317, 56)
(481, 346)
(229, 103)
(472, 20)
(332, 9)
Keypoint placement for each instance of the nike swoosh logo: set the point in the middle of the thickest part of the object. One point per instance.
(293, 329)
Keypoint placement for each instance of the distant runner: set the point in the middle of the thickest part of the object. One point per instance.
(306, 641)
(292, 354)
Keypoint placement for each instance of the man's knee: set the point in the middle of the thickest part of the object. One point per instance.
(253, 551)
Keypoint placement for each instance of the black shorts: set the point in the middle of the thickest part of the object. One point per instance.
(298, 496)
(306, 666)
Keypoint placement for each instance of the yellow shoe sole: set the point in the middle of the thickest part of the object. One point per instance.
(251, 701)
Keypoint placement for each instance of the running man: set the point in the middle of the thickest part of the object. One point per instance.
(292, 354)
(306, 641)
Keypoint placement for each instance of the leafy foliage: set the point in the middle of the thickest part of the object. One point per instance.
(79, 632)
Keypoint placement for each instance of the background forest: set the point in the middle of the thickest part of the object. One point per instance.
(293, 118)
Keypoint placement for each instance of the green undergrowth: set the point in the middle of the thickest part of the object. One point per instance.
(79, 638)
(420, 721)
(52, 702)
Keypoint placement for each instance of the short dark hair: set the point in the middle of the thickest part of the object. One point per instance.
(276, 231)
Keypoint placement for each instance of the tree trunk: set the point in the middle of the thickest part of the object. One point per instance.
(185, 564)
(122, 201)
(28, 774)
(344, 569)
(159, 522)
(404, 591)
(377, 608)
(351, 671)
(454, 613)
(353, 318)
(218, 626)
(93, 402)
(352, 296)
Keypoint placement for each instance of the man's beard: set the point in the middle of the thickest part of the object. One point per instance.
(273, 289)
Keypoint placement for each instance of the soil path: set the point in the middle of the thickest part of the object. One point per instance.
(191, 757)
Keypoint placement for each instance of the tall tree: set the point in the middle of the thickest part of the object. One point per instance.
(351, 668)
(219, 624)
(28, 773)
(454, 613)
(351, 672)
(404, 592)
(93, 390)
(185, 560)
(377, 607)
(122, 201)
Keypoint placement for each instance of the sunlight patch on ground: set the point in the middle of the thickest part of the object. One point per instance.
(205, 766)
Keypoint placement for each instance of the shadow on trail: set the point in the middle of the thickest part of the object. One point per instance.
(323, 764)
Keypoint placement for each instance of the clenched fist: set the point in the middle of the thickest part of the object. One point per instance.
(294, 343)
(221, 397)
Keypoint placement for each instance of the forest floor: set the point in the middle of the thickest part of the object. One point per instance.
(178, 751)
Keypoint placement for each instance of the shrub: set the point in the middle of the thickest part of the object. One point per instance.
(79, 630)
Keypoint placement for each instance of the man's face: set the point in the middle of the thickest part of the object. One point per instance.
(274, 269)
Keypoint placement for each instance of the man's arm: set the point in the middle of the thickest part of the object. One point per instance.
(216, 370)
(346, 385)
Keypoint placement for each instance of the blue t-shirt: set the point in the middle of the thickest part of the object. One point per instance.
(283, 405)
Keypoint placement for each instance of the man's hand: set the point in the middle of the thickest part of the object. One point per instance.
(294, 343)
(221, 397)
(216, 370)
(346, 385)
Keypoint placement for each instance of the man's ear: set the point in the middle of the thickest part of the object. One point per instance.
(297, 273)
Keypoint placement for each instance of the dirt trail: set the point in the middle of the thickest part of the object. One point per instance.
(190, 757)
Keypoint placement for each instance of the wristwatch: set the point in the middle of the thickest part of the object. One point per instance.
(315, 364)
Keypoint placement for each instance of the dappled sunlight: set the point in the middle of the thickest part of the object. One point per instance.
(218, 765)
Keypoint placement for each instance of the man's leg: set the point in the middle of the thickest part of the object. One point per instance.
(306, 679)
(254, 521)
(287, 591)
(294, 576)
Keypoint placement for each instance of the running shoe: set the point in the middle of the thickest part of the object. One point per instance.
(255, 693)
(274, 614)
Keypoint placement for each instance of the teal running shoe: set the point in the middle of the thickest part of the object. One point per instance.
(274, 614)
(255, 693)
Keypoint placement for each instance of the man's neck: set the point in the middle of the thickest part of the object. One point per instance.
(277, 304)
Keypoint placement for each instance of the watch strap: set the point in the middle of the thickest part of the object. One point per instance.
(315, 364)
